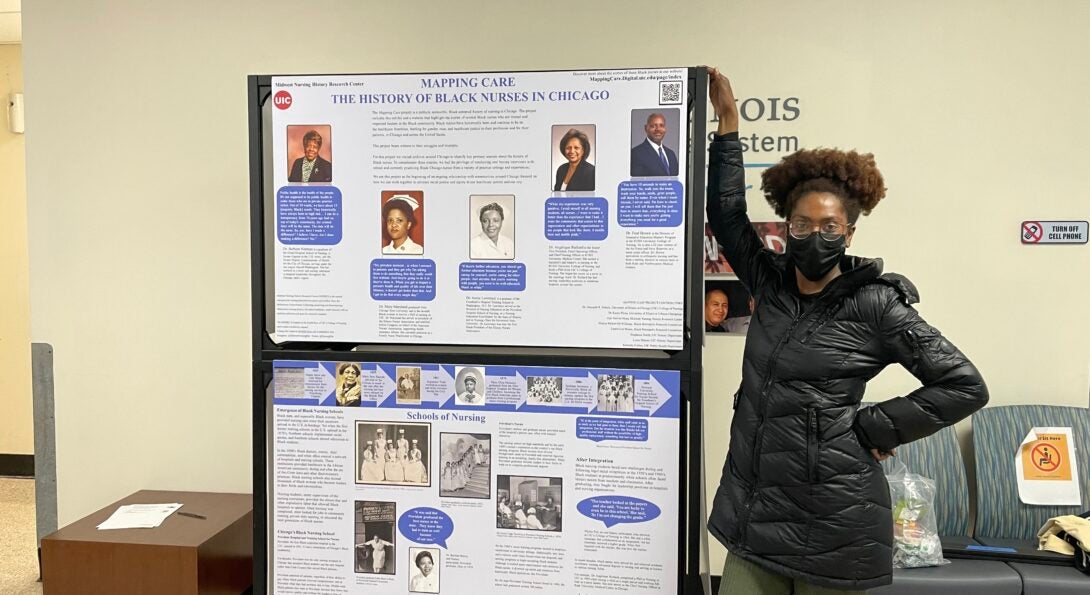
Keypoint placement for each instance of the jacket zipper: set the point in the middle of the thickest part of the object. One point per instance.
(914, 342)
(825, 317)
(811, 444)
(743, 520)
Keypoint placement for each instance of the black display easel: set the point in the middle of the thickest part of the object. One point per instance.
(687, 361)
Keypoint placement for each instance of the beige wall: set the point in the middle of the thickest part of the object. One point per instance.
(16, 407)
(976, 114)
(138, 185)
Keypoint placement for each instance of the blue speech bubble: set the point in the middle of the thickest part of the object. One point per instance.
(598, 429)
(426, 525)
(650, 203)
(585, 219)
(308, 215)
(403, 280)
(492, 276)
(614, 510)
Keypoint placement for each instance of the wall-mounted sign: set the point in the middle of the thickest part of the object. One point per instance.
(1054, 232)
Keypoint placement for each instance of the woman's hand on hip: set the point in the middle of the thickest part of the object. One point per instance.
(881, 456)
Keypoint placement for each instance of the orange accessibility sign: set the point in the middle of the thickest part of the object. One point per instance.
(1046, 458)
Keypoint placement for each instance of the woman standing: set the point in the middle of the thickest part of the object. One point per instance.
(372, 471)
(445, 481)
(460, 474)
(415, 471)
(378, 557)
(803, 505)
(394, 470)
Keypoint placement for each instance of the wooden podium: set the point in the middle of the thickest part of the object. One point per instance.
(186, 555)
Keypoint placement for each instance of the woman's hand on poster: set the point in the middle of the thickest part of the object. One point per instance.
(722, 97)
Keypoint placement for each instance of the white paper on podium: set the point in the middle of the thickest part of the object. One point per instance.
(139, 516)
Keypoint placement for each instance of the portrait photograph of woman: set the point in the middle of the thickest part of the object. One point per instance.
(402, 222)
(469, 386)
(348, 391)
(572, 158)
(424, 570)
(310, 153)
(492, 227)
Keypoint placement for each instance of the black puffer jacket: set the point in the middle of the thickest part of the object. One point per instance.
(801, 494)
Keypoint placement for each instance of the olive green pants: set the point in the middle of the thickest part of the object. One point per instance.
(741, 577)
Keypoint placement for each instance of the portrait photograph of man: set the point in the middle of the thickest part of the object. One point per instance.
(655, 134)
(310, 153)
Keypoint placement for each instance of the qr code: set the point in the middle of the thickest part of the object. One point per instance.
(669, 92)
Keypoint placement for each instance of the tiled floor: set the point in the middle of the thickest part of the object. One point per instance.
(18, 547)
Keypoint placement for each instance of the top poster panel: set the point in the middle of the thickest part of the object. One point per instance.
(527, 208)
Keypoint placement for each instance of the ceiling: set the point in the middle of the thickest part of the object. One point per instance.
(11, 22)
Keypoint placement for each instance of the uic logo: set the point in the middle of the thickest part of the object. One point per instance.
(282, 99)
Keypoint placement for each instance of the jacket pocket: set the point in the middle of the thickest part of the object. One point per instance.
(812, 439)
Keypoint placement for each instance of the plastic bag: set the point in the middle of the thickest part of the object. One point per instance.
(915, 530)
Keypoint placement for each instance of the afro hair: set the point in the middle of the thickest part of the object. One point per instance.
(851, 176)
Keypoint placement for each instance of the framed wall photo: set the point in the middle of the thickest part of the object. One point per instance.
(773, 235)
(728, 307)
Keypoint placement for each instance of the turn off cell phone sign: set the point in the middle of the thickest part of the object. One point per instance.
(1054, 232)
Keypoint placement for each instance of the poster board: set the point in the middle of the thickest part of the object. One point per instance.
(271, 346)
(512, 478)
(457, 209)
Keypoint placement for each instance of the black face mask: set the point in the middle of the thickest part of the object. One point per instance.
(815, 256)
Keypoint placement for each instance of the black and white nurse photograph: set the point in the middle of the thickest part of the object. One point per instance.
(544, 390)
(375, 537)
(393, 453)
(616, 393)
(408, 385)
(492, 227)
(464, 462)
(423, 570)
(529, 503)
(469, 386)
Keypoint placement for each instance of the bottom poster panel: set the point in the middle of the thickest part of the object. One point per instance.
(425, 478)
